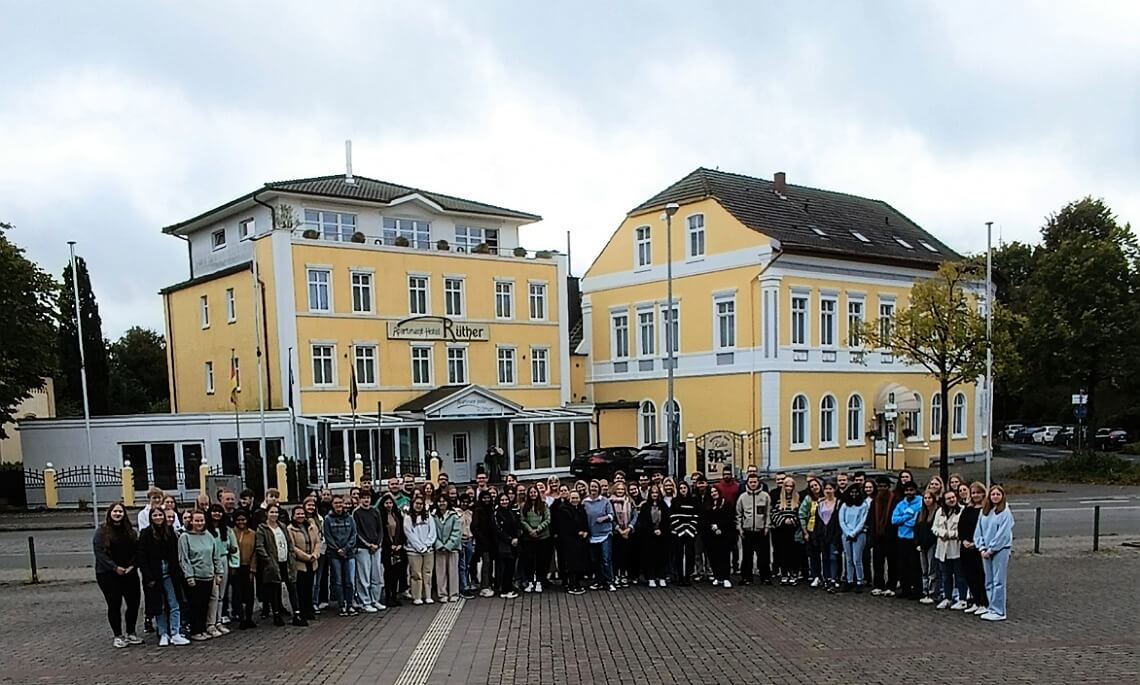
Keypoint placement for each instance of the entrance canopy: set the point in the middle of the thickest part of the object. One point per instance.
(901, 396)
(459, 402)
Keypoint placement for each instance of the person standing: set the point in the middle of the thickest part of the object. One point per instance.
(718, 528)
(925, 541)
(276, 566)
(486, 542)
(625, 519)
(466, 546)
(883, 539)
(948, 550)
(752, 512)
(369, 578)
(853, 525)
(828, 536)
(972, 566)
(653, 529)
(157, 560)
(786, 537)
(994, 540)
(507, 530)
(905, 516)
(808, 505)
(217, 524)
(393, 554)
(155, 499)
(340, 541)
(572, 533)
(305, 538)
(419, 531)
(600, 517)
(116, 545)
(242, 578)
(202, 568)
(535, 541)
(683, 520)
(448, 540)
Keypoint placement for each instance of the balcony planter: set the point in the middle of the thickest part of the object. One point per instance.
(481, 248)
(543, 254)
(401, 241)
(358, 237)
(520, 251)
(442, 246)
(311, 233)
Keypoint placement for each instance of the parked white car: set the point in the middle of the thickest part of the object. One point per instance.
(1046, 435)
(1011, 430)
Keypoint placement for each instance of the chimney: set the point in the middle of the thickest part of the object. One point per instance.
(348, 163)
(780, 183)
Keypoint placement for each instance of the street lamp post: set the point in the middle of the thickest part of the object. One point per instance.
(989, 350)
(671, 334)
(83, 385)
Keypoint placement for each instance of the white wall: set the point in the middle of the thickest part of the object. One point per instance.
(205, 259)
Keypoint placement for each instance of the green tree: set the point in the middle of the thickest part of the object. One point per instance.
(69, 389)
(26, 337)
(1084, 303)
(138, 373)
(941, 329)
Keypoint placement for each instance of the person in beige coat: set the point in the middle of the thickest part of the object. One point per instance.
(948, 550)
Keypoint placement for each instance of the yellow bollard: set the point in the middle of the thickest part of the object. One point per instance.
(433, 468)
(690, 454)
(203, 471)
(128, 484)
(357, 470)
(282, 480)
(51, 496)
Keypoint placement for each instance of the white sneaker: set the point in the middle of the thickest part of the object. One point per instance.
(222, 629)
(652, 583)
(486, 592)
(179, 640)
(815, 583)
(716, 583)
(322, 606)
(926, 600)
(368, 608)
(970, 609)
(727, 583)
(429, 600)
(958, 606)
(163, 641)
(888, 593)
(874, 593)
(444, 599)
(991, 616)
(509, 595)
(944, 604)
(538, 587)
(133, 639)
(213, 632)
(417, 602)
(118, 643)
(612, 588)
(225, 620)
(662, 583)
(380, 607)
(529, 587)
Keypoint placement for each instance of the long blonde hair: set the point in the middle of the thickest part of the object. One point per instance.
(989, 505)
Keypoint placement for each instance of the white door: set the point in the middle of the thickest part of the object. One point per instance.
(460, 457)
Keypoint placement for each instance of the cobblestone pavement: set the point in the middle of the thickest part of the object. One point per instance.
(1074, 619)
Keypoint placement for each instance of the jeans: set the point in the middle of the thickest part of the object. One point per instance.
(321, 581)
(996, 568)
(829, 560)
(118, 590)
(755, 543)
(343, 572)
(466, 553)
(931, 575)
(369, 581)
(952, 579)
(601, 562)
(853, 553)
(169, 621)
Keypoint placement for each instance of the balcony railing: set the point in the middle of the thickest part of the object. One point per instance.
(401, 242)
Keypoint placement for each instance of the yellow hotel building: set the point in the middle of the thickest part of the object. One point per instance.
(456, 333)
(768, 279)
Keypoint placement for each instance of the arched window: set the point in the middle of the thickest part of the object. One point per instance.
(959, 418)
(799, 421)
(936, 416)
(648, 427)
(855, 419)
(913, 423)
(827, 420)
(665, 421)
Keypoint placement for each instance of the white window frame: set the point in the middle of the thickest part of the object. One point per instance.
(958, 418)
(856, 314)
(236, 362)
(330, 382)
(646, 332)
(343, 224)
(312, 282)
(215, 243)
(642, 248)
(914, 421)
(209, 378)
(231, 306)
(828, 421)
(855, 420)
(804, 317)
(457, 296)
(362, 361)
(540, 366)
(361, 284)
(417, 231)
(829, 321)
(800, 413)
(665, 420)
(886, 321)
(504, 293)
(412, 349)
(461, 364)
(719, 318)
(247, 228)
(536, 295)
(204, 311)
(619, 345)
(936, 417)
(666, 324)
(414, 280)
(646, 422)
(507, 356)
(695, 232)
(467, 238)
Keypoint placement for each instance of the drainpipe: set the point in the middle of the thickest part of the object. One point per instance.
(775, 254)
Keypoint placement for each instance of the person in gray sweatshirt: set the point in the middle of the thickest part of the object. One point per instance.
(752, 509)
(600, 517)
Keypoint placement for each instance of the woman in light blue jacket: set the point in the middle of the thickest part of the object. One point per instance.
(994, 539)
(853, 525)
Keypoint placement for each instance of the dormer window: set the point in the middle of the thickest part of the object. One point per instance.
(928, 246)
(862, 238)
(904, 243)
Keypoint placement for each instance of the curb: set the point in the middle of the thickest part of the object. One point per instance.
(31, 528)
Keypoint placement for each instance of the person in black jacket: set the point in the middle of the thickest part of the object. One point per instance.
(483, 529)
(115, 545)
(718, 529)
(572, 533)
(507, 531)
(971, 557)
(157, 559)
(683, 520)
(392, 553)
(653, 529)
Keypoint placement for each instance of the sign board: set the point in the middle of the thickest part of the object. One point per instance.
(436, 328)
(1081, 399)
(214, 483)
(1080, 411)
(891, 415)
(720, 450)
(471, 406)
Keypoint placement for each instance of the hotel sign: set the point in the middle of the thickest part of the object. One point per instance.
(436, 328)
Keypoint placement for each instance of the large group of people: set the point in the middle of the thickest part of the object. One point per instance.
(200, 571)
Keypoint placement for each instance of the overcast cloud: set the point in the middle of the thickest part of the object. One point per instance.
(120, 118)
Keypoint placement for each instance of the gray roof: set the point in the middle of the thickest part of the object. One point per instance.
(810, 220)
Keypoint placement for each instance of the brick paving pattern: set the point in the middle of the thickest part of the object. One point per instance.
(1073, 620)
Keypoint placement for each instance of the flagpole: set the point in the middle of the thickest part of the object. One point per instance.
(352, 396)
(260, 381)
(293, 447)
(237, 421)
(83, 385)
(989, 350)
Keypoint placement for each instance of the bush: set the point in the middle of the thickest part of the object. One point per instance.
(481, 248)
(520, 251)
(358, 237)
(1084, 467)
(1131, 448)
(311, 233)
(543, 254)
(401, 241)
(442, 245)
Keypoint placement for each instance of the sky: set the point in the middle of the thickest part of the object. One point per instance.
(119, 118)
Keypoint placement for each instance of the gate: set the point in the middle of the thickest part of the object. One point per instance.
(738, 449)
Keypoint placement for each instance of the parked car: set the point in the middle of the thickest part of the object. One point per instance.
(1024, 434)
(653, 458)
(1010, 431)
(1111, 438)
(1047, 435)
(601, 462)
(1067, 437)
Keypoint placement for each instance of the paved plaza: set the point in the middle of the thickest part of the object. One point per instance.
(1074, 619)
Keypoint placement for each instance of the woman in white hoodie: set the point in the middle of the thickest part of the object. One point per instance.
(948, 550)
(419, 529)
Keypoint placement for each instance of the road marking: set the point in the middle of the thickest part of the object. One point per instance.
(1090, 508)
(1113, 500)
(422, 660)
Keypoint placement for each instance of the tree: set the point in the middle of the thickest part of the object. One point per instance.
(29, 327)
(1084, 302)
(138, 373)
(69, 390)
(941, 329)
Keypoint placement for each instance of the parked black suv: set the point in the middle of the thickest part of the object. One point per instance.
(601, 462)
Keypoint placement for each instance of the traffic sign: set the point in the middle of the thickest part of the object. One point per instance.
(1081, 399)
(1080, 411)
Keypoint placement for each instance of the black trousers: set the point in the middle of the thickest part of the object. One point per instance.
(241, 584)
(882, 562)
(304, 584)
(787, 552)
(393, 571)
(755, 544)
(655, 552)
(717, 548)
(684, 557)
(199, 599)
(506, 570)
(975, 576)
(633, 561)
(622, 552)
(910, 574)
(272, 591)
(118, 590)
(536, 559)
